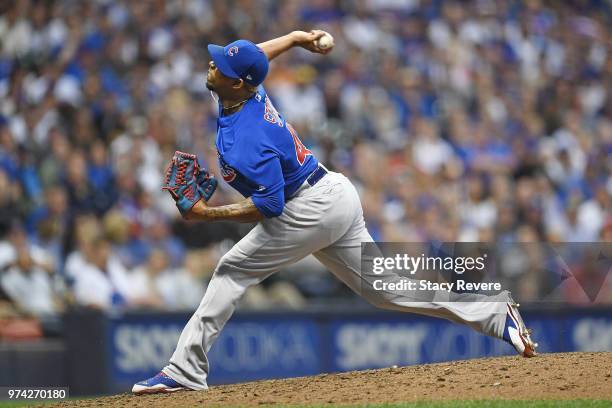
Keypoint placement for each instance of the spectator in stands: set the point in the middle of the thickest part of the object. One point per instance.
(101, 281)
(30, 285)
(54, 223)
(158, 236)
(9, 207)
(456, 121)
(118, 229)
(81, 193)
(157, 284)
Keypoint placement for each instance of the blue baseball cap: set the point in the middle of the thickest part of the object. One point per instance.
(241, 59)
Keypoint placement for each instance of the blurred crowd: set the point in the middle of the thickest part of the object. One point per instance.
(486, 120)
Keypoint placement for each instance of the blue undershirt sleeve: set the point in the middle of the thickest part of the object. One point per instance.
(269, 195)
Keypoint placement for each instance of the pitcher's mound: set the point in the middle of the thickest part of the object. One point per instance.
(547, 376)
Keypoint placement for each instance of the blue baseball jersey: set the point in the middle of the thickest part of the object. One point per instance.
(261, 155)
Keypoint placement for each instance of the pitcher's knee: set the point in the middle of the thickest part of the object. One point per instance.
(227, 264)
(379, 300)
(239, 269)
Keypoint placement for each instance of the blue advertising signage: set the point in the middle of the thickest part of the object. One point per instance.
(362, 343)
(248, 350)
(264, 345)
(245, 350)
(589, 333)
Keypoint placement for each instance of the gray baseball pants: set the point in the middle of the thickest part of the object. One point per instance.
(325, 220)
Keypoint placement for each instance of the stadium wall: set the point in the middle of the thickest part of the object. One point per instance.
(108, 353)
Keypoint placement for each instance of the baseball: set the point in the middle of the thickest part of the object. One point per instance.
(325, 42)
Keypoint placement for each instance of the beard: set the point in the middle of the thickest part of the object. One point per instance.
(210, 86)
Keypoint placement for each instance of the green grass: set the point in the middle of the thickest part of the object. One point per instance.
(501, 404)
(22, 403)
(487, 404)
(31, 403)
(425, 404)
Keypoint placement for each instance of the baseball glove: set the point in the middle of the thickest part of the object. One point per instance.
(181, 181)
(207, 184)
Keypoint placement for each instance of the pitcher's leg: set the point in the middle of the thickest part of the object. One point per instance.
(189, 363)
(308, 223)
(496, 316)
(258, 255)
(343, 259)
(487, 317)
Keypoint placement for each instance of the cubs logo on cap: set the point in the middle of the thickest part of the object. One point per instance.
(241, 59)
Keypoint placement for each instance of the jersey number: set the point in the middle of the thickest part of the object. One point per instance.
(301, 151)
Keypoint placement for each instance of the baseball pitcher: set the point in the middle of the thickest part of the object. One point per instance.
(300, 207)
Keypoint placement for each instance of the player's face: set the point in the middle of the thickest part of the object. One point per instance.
(210, 77)
(215, 80)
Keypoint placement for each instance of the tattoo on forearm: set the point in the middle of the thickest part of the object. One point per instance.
(242, 211)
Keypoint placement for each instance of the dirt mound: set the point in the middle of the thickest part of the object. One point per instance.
(548, 376)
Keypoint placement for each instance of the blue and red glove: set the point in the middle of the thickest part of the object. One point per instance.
(187, 183)
(180, 181)
(207, 184)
